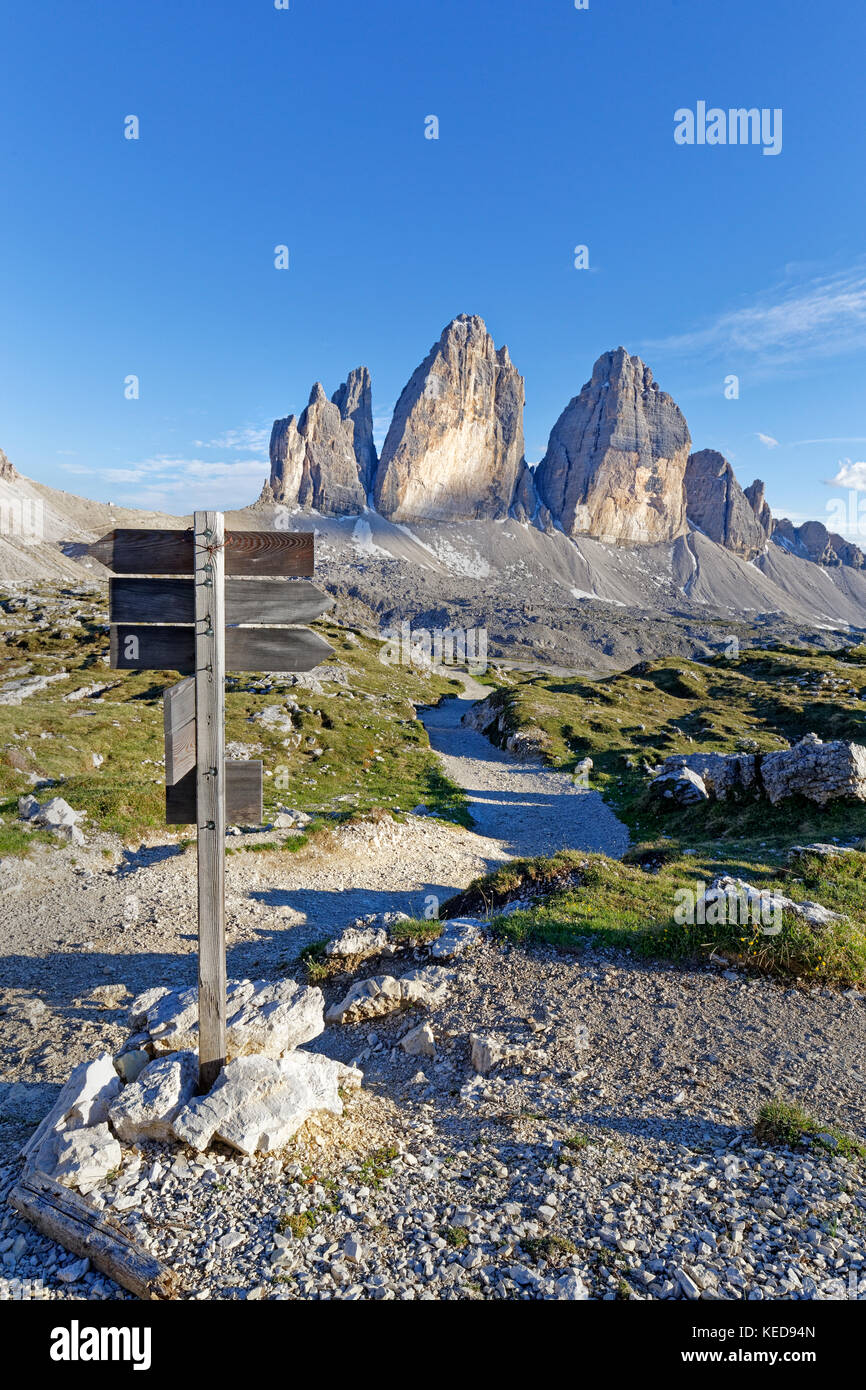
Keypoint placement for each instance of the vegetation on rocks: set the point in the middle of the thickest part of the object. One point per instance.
(575, 900)
(783, 1124)
(629, 723)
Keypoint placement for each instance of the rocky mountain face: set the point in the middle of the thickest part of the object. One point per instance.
(617, 466)
(454, 449)
(716, 504)
(313, 458)
(755, 496)
(616, 458)
(812, 541)
(7, 471)
(354, 400)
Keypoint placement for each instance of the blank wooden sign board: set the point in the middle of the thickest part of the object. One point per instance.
(200, 622)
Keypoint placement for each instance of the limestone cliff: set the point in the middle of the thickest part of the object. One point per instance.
(454, 449)
(616, 458)
(313, 461)
(716, 504)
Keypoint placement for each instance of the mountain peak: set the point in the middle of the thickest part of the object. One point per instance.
(717, 505)
(616, 457)
(454, 449)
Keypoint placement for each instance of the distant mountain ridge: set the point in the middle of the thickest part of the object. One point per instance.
(618, 465)
(622, 544)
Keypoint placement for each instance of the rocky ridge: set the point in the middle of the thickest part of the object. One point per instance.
(717, 504)
(617, 467)
(455, 445)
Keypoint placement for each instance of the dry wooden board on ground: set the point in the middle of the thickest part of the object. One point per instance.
(65, 1217)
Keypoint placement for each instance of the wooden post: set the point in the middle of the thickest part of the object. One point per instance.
(210, 791)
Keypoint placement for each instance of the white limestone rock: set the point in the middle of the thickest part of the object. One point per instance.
(723, 774)
(360, 943)
(735, 900)
(85, 1157)
(681, 786)
(458, 937)
(56, 813)
(83, 1102)
(488, 1050)
(129, 1065)
(264, 1016)
(384, 994)
(259, 1103)
(819, 771)
(420, 1041)
(147, 1107)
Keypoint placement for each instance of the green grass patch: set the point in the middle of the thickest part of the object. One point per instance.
(317, 966)
(784, 1124)
(376, 1167)
(354, 747)
(759, 701)
(415, 931)
(551, 1248)
(629, 723)
(582, 900)
(300, 1223)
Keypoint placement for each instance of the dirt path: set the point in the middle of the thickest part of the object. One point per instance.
(529, 808)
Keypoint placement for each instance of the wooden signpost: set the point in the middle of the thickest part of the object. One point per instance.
(199, 621)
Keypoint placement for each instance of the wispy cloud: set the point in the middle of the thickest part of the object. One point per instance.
(820, 317)
(768, 440)
(250, 438)
(178, 485)
(837, 439)
(851, 475)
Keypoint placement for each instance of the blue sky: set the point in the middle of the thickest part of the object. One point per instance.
(305, 127)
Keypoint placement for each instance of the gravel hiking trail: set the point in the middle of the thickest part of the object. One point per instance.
(529, 808)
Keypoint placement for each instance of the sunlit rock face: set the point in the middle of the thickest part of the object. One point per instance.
(455, 446)
(616, 458)
(313, 461)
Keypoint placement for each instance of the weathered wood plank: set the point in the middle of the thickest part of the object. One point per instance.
(275, 649)
(287, 553)
(67, 1218)
(136, 648)
(142, 600)
(178, 717)
(143, 647)
(127, 551)
(210, 670)
(243, 795)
